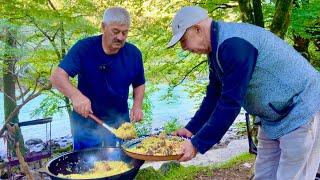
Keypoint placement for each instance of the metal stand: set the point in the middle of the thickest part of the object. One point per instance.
(46, 153)
(252, 146)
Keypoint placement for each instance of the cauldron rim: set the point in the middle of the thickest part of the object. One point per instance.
(135, 167)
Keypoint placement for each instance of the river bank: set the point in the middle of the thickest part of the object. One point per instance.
(181, 107)
(37, 144)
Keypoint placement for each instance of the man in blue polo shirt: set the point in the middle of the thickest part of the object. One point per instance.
(106, 65)
(252, 68)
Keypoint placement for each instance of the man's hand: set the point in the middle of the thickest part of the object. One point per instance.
(136, 114)
(188, 151)
(183, 132)
(81, 104)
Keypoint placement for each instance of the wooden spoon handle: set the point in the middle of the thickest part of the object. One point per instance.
(96, 119)
(101, 123)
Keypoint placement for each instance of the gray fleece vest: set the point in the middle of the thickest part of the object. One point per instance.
(284, 92)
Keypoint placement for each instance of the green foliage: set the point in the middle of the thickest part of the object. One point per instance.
(50, 28)
(305, 23)
(144, 127)
(222, 9)
(177, 172)
(63, 150)
(197, 90)
(172, 126)
(50, 105)
(169, 96)
(151, 32)
(305, 20)
(235, 161)
(268, 8)
(168, 166)
(190, 172)
(42, 25)
(148, 173)
(44, 32)
(241, 128)
(314, 56)
(187, 173)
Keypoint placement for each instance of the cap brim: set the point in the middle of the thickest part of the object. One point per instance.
(175, 39)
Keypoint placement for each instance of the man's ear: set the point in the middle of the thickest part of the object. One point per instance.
(197, 27)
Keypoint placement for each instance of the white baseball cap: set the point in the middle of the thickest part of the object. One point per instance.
(185, 18)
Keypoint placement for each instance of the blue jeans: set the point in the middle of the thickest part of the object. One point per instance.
(87, 133)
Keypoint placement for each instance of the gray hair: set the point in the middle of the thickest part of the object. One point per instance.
(116, 15)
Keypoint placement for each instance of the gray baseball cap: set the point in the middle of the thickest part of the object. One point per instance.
(185, 18)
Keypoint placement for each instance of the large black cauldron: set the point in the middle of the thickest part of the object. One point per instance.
(83, 160)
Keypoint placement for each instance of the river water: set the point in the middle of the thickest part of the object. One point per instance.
(182, 108)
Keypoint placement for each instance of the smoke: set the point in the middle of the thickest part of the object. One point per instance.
(89, 134)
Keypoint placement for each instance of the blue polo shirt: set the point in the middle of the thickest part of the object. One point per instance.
(229, 78)
(103, 78)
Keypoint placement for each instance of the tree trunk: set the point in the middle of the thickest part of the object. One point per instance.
(9, 81)
(251, 12)
(258, 14)
(281, 18)
(246, 11)
(9, 77)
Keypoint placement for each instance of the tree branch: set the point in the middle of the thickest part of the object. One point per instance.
(16, 41)
(20, 88)
(187, 74)
(51, 5)
(39, 44)
(224, 6)
(23, 165)
(51, 39)
(22, 94)
(17, 109)
(55, 34)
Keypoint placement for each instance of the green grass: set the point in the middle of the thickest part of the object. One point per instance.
(174, 170)
(188, 172)
(63, 150)
(241, 128)
(179, 172)
(235, 161)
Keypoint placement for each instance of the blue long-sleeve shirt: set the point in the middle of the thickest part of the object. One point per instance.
(228, 81)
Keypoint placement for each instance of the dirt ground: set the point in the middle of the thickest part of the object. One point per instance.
(240, 172)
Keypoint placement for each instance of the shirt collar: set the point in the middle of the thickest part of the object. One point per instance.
(214, 37)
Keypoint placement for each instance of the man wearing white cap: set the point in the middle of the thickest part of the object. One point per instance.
(252, 68)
